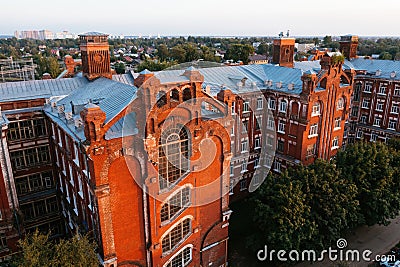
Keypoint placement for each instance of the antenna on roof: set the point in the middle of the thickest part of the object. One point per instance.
(287, 34)
(280, 34)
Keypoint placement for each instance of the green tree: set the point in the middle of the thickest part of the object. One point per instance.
(53, 67)
(178, 53)
(374, 169)
(282, 216)
(240, 52)
(37, 251)
(162, 52)
(119, 68)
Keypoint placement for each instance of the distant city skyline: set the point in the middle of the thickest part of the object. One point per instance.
(204, 18)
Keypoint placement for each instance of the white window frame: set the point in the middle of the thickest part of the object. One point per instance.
(340, 103)
(313, 130)
(367, 87)
(257, 142)
(392, 123)
(260, 103)
(283, 106)
(382, 89)
(246, 106)
(338, 122)
(271, 123)
(365, 103)
(271, 103)
(395, 108)
(281, 126)
(335, 143)
(316, 109)
(379, 106)
(377, 122)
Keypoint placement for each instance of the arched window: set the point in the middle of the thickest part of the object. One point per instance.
(187, 94)
(182, 258)
(174, 95)
(176, 235)
(173, 156)
(161, 99)
(316, 109)
(340, 103)
(283, 106)
(176, 204)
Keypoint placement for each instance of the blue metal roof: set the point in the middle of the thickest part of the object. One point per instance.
(372, 65)
(25, 90)
(111, 96)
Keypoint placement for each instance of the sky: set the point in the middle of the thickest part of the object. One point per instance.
(204, 17)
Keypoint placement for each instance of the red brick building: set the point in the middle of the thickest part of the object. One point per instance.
(149, 165)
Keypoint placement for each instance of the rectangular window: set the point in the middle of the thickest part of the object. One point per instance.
(233, 108)
(243, 184)
(245, 126)
(379, 106)
(244, 167)
(277, 166)
(311, 150)
(246, 107)
(231, 167)
(382, 89)
(335, 142)
(338, 122)
(377, 122)
(281, 127)
(365, 103)
(354, 111)
(281, 146)
(316, 110)
(368, 87)
(374, 137)
(283, 106)
(259, 103)
(271, 123)
(392, 125)
(257, 142)
(256, 163)
(313, 130)
(363, 119)
(30, 157)
(359, 134)
(244, 146)
(271, 103)
(395, 108)
(397, 90)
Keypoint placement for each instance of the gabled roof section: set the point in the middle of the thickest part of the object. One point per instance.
(111, 96)
(25, 90)
(371, 66)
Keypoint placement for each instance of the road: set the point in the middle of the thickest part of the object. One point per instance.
(378, 239)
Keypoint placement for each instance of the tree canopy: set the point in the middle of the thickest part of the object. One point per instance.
(310, 207)
(38, 251)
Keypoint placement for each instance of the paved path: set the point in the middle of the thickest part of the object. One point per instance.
(378, 239)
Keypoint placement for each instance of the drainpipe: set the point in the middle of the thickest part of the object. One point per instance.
(146, 224)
